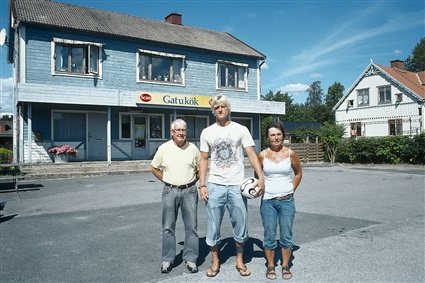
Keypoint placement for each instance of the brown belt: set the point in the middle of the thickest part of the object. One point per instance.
(284, 197)
(181, 186)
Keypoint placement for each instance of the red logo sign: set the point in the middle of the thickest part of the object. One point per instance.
(145, 97)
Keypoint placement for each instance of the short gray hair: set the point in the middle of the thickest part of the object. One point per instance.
(178, 122)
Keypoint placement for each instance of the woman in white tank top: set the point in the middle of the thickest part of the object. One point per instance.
(277, 204)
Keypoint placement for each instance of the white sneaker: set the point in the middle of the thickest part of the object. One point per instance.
(166, 267)
(191, 266)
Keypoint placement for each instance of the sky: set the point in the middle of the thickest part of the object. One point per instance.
(304, 41)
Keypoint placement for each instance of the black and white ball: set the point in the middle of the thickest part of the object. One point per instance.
(249, 188)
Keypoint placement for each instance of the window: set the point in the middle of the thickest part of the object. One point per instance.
(363, 97)
(71, 57)
(395, 127)
(384, 94)
(350, 103)
(69, 127)
(356, 129)
(399, 97)
(155, 127)
(232, 75)
(125, 126)
(247, 122)
(195, 125)
(160, 67)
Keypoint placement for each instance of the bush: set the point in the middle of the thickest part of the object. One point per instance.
(391, 150)
(6, 155)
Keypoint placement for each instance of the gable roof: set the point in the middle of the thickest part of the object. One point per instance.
(73, 17)
(411, 82)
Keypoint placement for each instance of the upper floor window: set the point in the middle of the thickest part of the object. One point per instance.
(73, 57)
(384, 94)
(363, 97)
(232, 75)
(160, 67)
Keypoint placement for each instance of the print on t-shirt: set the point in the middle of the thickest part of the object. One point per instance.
(225, 152)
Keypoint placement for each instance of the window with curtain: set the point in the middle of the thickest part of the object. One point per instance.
(68, 126)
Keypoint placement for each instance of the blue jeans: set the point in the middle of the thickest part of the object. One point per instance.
(282, 212)
(187, 200)
(220, 198)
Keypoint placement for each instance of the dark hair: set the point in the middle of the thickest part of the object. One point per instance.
(276, 124)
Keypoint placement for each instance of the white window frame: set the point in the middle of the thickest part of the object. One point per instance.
(162, 126)
(363, 93)
(148, 126)
(237, 66)
(85, 44)
(166, 55)
(385, 95)
(131, 126)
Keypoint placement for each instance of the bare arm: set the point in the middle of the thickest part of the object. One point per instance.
(158, 173)
(203, 167)
(296, 166)
(255, 163)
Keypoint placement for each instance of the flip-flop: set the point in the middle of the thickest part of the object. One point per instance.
(243, 271)
(285, 271)
(212, 272)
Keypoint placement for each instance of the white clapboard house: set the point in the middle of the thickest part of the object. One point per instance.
(383, 101)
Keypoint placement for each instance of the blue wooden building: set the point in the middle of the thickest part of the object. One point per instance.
(110, 84)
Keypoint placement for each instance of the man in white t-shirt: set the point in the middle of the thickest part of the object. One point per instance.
(226, 140)
(176, 164)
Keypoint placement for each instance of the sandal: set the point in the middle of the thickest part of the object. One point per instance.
(243, 271)
(270, 273)
(286, 272)
(212, 272)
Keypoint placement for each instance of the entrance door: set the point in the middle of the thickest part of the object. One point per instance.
(140, 138)
(97, 123)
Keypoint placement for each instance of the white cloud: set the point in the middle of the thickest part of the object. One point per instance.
(398, 51)
(297, 91)
(264, 66)
(6, 95)
(294, 88)
(316, 75)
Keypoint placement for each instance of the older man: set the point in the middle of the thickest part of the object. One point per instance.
(176, 164)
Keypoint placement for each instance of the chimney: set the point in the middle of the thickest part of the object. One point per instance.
(174, 18)
(397, 64)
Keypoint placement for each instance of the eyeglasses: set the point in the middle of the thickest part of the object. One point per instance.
(222, 107)
(179, 130)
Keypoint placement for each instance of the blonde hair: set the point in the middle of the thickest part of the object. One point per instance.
(220, 100)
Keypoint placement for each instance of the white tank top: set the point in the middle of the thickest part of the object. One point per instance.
(277, 176)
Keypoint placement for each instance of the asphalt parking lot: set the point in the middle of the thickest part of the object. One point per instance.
(353, 224)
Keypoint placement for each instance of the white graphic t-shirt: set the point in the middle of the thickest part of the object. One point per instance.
(226, 146)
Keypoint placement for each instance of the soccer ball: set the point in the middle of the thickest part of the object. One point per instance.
(247, 188)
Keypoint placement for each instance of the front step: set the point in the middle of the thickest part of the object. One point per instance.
(83, 169)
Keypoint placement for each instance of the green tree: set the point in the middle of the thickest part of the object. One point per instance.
(330, 135)
(315, 93)
(416, 61)
(335, 93)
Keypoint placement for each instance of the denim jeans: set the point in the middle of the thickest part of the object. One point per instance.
(220, 198)
(187, 200)
(282, 212)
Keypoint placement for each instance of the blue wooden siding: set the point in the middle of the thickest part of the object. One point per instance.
(119, 65)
